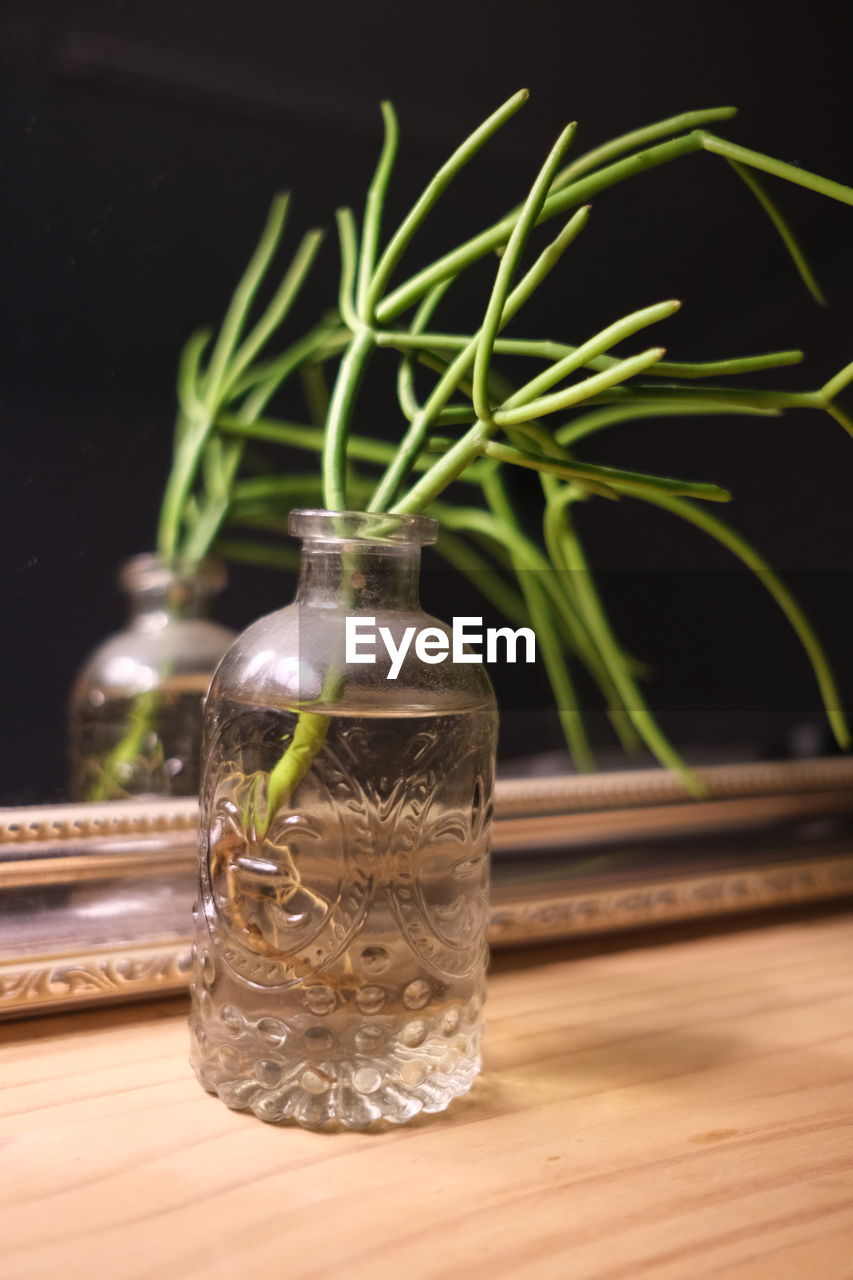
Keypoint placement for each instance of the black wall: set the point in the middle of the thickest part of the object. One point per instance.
(141, 144)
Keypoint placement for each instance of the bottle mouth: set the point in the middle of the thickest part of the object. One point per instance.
(363, 527)
(150, 572)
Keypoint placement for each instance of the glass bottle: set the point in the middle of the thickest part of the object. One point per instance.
(136, 706)
(340, 954)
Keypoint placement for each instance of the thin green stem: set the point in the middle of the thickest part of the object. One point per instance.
(529, 563)
(433, 192)
(608, 151)
(838, 382)
(324, 342)
(278, 370)
(372, 224)
(275, 313)
(595, 346)
(189, 375)
(584, 189)
(546, 350)
(748, 398)
(568, 709)
(784, 230)
(579, 391)
(348, 244)
(406, 393)
(243, 296)
(843, 419)
(746, 553)
(296, 435)
(414, 440)
(483, 575)
(340, 413)
(778, 168)
(496, 236)
(309, 734)
(597, 419)
(520, 234)
(315, 390)
(611, 476)
(574, 560)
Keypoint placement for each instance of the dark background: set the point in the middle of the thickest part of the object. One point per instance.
(141, 144)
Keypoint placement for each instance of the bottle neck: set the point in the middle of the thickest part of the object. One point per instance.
(154, 607)
(359, 577)
(160, 593)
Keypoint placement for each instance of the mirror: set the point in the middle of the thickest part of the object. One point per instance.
(141, 159)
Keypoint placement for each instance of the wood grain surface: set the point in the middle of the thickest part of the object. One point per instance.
(670, 1108)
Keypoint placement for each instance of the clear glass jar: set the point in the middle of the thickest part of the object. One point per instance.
(136, 706)
(340, 955)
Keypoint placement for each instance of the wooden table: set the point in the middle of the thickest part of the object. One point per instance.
(673, 1108)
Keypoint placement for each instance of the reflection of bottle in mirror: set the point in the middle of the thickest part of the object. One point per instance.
(136, 706)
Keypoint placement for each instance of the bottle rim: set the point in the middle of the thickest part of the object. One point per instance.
(379, 527)
(150, 572)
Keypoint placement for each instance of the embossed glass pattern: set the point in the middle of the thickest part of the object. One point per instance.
(340, 953)
(136, 707)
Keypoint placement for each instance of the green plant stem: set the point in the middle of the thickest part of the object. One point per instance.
(190, 403)
(568, 709)
(473, 443)
(786, 235)
(745, 552)
(415, 437)
(496, 236)
(202, 395)
(597, 345)
(361, 448)
(578, 391)
(531, 567)
(340, 413)
(212, 515)
(260, 390)
(108, 784)
(309, 734)
(372, 223)
(778, 168)
(242, 298)
(433, 192)
(666, 128)
(494, 317)
(406, 393)
(275, 313)
(672, 394)
(482, 574)
(611, 476)
(573, 560)
(838, 382)
(597, 419)
(585, 189)
(546, 350)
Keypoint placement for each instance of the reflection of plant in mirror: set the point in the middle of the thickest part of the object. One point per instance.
(205, 465)
(474, 424)
(196, 499)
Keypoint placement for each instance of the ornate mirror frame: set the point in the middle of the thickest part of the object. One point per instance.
(95, 899)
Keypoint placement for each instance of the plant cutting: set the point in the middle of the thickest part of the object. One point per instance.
(340, 954)
(511, 431)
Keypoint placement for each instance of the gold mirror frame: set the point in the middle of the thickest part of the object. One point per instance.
(95, 899)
